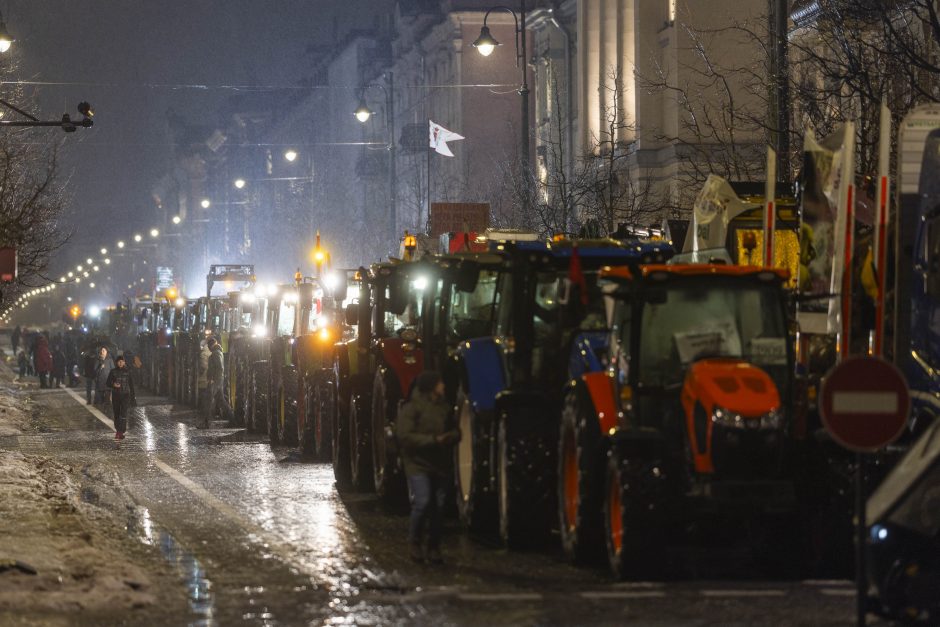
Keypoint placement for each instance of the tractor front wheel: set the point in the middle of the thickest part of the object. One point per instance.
(525, 487)
(360, 454)
(580, 479)
(389, 479)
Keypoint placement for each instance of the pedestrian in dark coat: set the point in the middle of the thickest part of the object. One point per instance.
(59, 365)
(89, 363)
(121, 384)
(23, 362)
(15, 338)
(43, 357)
(426, 437)
(215, 377)
(103, 366)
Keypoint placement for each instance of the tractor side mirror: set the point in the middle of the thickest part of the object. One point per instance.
(468, 274)
(398, 294)
(352, 314)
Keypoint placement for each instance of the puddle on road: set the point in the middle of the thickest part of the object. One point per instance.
(198, 586)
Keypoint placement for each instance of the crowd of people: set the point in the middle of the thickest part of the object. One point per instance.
(53, 359)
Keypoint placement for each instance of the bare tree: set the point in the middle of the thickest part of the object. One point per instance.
(32, 199)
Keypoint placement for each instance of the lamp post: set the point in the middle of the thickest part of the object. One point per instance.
(485, 44)
(363, 113)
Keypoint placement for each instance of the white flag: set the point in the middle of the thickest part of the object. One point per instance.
(439, 138)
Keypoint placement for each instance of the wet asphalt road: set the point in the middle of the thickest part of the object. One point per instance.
(259, 538)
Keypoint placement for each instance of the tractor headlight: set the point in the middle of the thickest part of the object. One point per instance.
(772, 420)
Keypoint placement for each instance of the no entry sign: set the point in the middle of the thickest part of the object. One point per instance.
(865, 403)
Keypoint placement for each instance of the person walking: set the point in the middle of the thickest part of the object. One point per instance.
(426, 437)
(59, 365)
(23, 362)
(43, 358)
(89, 363)
(215, 376)
(202, 378)
(103, 367)
(121, 385)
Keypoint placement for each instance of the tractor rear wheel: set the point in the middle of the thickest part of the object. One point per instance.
(324, 417)
(306, 423)
(633, 524)
(260, 388)
(580, 479)
(342, 471)
(476, 503)
(287, 416)
(388, 476)
(360, 454)
(525, 492)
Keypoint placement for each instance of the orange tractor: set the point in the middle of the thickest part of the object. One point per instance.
(691, 426)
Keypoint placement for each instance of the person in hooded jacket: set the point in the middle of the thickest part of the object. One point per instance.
(43, 357)
(121, 384)
(202, 379)
(426, 437)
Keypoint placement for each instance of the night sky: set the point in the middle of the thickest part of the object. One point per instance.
(136, 59)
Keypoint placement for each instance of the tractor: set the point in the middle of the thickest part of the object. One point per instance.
(690, 425)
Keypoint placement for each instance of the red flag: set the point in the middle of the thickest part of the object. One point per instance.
(576, 275)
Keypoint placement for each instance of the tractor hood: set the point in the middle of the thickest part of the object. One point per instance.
(734, 385)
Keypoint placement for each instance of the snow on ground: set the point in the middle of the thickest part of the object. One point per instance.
(64, 560)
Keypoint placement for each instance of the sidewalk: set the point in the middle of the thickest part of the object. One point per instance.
(66, 557)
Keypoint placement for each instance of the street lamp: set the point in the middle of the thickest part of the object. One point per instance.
(177, 219)
(5, 39)
(138, 237)
(239, 183)
(154, 232)
(120, 244)
(104, 251)
(485, 44)
(363, 113)
(290, 155)
(206, 203)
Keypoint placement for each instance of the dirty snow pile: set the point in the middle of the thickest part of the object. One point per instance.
(14, 416)
(62, 560)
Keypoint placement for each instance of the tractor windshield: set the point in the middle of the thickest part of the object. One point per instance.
(471, 313)
(700, 317)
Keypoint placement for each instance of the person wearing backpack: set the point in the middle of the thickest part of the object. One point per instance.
(426, 438)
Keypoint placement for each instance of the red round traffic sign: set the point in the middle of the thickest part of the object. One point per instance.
(865, 403)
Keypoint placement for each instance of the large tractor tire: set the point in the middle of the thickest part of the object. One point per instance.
(237, 394)
(286, 414)
(325, 411)
(476, 502)
(340, 449)
(360, 443)
(260, 396)
(389, 477)
(526, 485)
(306, 422)
(634, 524)
(580, 479)
(275, 413)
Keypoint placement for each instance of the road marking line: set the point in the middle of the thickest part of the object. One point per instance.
(205, 496)
(743, 593)
(626, 594)
(630, 585)
(828, 582)
(838, 592)
(496, 596)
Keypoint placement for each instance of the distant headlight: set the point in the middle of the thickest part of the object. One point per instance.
(772, 420)
(259, 331)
